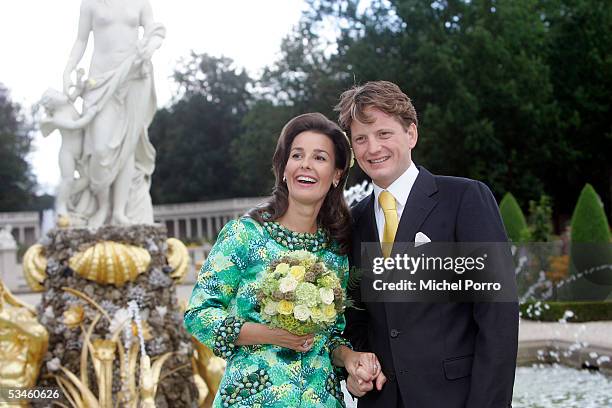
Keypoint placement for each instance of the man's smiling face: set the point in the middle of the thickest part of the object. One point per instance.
(382, 148)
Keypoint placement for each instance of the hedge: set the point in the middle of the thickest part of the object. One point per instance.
(554, 311)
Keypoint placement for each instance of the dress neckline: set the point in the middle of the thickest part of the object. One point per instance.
(297, 240)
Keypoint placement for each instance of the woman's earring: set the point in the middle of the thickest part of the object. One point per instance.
(284, 178)
(335, 183)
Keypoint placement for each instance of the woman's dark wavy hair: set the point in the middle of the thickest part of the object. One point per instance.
(334, 214)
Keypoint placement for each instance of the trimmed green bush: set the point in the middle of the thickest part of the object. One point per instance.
(554, 311)
(513, 217)
(590, 248)
(589, 222)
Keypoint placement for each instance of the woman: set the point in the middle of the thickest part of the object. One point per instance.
(117, 151)
(270, 366)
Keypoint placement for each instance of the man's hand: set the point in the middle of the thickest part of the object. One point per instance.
(358, 387)
(365, 373)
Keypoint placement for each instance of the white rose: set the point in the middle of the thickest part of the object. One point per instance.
(301, 312)
(271, 308)
(327, 295)
(288, 284)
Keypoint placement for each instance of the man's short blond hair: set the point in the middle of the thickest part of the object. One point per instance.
(382, 95)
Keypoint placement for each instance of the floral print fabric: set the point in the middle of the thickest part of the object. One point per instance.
(224, 297)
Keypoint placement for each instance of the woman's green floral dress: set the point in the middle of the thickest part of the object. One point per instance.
(224, 297)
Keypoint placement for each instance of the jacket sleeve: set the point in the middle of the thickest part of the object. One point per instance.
(209, 316)
(356, 330)
(494, 365)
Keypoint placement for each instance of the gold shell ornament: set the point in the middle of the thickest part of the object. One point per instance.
(73, 316)
(178, 258)
(34, 267)
(109, 262)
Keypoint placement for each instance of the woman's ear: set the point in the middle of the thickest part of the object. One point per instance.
(337, 177)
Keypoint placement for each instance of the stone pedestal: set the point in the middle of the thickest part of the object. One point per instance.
(153, 291)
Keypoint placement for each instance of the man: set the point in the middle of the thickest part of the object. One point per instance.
(447, 355)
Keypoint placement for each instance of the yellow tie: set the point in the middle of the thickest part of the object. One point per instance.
(387, 203)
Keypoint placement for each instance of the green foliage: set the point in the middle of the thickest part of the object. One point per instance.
(253, 149)
(540, 219)
(590, 235)
(193, 136)
(513, 92)
(578, 54)
(554, 311)
(589, 222)
(17, 186)
(513, 217)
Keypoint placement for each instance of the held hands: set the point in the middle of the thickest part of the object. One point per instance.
(364, 373)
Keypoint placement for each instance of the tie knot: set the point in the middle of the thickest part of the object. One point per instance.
(387, 201)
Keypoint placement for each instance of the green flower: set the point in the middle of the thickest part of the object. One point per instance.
(282, 269)
(307, 294)
(328, 281)
(269, 286)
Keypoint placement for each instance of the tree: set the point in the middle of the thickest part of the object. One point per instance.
(193, 136)
(578, 54)
(540, 219)
(17, 186)
(253, 149)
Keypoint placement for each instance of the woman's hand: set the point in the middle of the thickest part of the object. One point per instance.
(283, 338)
(257, 333)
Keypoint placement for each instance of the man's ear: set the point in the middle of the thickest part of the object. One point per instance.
(413, 135)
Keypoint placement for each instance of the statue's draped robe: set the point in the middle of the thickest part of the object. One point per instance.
(127, 94)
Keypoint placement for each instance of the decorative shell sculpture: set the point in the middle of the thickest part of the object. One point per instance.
(34, 267)
(73, 316)
(178, 258)
(109, 262)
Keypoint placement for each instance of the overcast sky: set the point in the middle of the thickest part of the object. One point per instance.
(36, 37)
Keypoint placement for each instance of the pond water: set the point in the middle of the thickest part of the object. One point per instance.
(546, 386)
(555, 386)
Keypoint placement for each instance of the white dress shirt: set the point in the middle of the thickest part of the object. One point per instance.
(400, 189)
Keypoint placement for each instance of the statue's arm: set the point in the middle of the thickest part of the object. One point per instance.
(71, 124)
(148, 23)
(80, 44)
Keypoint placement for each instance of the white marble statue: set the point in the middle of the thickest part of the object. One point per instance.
(119, 102)
(7, 241)
(62, 115)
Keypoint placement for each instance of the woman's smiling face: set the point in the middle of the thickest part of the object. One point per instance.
(311, 168)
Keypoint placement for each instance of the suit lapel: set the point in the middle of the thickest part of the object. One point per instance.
(418, 206)
(369, 230)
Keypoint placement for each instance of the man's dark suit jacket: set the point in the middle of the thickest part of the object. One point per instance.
(446, 355)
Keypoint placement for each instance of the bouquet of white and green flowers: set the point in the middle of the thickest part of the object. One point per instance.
(299, 294)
